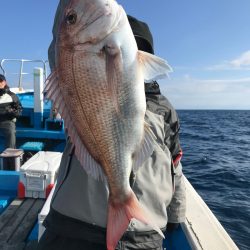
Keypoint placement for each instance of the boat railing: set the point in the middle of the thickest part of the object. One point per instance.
(21, 67)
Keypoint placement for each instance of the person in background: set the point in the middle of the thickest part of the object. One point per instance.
(78, 211)
(10, 110)
(160, 105)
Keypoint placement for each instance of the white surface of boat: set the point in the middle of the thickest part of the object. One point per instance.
(202, 229)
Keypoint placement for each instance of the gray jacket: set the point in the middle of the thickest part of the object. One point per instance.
(83, 198)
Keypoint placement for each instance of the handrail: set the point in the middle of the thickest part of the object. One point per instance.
(21, 73)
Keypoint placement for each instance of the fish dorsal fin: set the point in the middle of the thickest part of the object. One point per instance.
(153, 66)
(53, 92)
(146, 149)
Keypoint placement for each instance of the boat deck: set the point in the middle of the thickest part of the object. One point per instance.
(17, 224)
(18, 218)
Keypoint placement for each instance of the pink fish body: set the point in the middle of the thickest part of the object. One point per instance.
(98, 87)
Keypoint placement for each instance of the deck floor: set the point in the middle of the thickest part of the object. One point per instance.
(17, 222)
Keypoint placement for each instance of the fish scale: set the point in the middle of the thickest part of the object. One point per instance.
(96, 103)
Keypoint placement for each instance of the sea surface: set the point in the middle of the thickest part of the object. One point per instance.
(216, 160)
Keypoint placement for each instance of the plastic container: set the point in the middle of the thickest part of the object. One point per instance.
(10, 159)
(38, 175)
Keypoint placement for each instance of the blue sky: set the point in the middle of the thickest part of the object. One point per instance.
(206, 42)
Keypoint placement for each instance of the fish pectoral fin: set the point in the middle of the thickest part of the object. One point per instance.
(146, 149)
(119, 217)
(113, 72)
(153, 66)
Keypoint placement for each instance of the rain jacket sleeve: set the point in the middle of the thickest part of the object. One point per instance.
(16, 107)
(159, 104)
(10, 110)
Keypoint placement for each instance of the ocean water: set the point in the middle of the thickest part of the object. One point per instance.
(216, 160)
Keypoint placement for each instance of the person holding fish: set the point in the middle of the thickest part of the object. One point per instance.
(120, 181)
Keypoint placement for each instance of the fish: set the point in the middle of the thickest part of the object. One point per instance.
(98, 88)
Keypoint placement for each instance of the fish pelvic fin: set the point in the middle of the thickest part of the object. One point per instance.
(119, 216)
(154, 67)
(146, 149)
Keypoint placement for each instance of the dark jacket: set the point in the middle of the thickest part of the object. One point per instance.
(10, 106)
(159, 104)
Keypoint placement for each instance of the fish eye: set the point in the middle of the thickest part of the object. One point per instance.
(71, 18)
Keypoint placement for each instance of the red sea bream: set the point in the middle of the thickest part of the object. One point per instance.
(98, 88)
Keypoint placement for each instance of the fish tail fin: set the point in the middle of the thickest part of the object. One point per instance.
(119, 217)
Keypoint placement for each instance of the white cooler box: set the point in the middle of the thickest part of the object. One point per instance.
(38, 175)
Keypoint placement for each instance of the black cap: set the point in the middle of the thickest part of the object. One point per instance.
(143, 36)
(2, 78)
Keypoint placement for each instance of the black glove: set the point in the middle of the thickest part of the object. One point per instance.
(171, 227)
(5, 110)
(9, 110)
